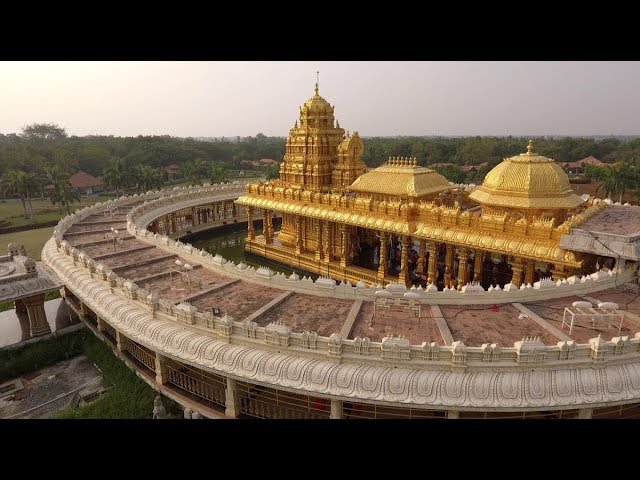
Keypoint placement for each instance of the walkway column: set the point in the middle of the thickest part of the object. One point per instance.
(162, 373)
(38, 324)
(326, 241)
(422, 257)
(463, 256)
(336, 409)
(453, 414)
(172, 217)
(122, 342)
(298, 227)
(384, 253)
(450, 257)
(404, 260)
(528, 273)
(100, 323)
(251, 235)
(231, 409)
(516, 267)
(433, 262)
(318, 231)
(585, 413)
(194, 217)
(477, 265)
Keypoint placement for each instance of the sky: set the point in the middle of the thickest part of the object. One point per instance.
(215, 99)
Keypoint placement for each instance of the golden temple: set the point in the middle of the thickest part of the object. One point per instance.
(405, 223)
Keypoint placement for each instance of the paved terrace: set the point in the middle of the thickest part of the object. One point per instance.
(149, 267)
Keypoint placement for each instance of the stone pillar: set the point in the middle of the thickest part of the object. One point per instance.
(528, 273)
(194, 217)
(477, 266)
(317, 225)
(231, 409)
(516, 267)
(38, 324)
(404, 260)
(172, 218)
(422, 256)
(336, 409)
(162, 373)
(453, 414)
(585, 413)
(298, 227)
(433, 263)
(100, 323)
(251, 234)
(122, 342)
(620, 264)
(344, 250)
(384, 253)
(463, 256)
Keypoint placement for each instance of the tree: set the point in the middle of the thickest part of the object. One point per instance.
(218, 173)
(64, 196)
(43, 131)
(147, 178)
(58, 179)
(453, 173)
(117, 174)
(25, 185)
(272, 172)
(615, 179)
(195, 171)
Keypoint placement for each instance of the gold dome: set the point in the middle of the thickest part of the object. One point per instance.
(316, 105)
(401, 177)
(527, 180)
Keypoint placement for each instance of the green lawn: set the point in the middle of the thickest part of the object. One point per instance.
(33, 240)
(11, 212)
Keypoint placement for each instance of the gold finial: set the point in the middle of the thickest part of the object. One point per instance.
(317, 81)
(530, 147)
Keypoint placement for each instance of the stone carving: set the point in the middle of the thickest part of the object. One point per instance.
(309, 340)
(159, 411)
(567, 350)
(530, 350)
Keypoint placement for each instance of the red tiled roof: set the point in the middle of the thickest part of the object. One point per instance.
(82, 179)
(591, 160)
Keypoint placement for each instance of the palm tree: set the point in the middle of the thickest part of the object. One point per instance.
(217, 173)
(195, 171)
(24, 185)
(59, 179)
(147, 178)
(617, 178)
(64, 196)
(117, 174)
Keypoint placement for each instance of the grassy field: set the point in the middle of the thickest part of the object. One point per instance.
(11, 213)
(33, 240)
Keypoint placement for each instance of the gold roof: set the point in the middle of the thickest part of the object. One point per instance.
(527, 180)
(538, 249)
(401, 177)
(317, 105)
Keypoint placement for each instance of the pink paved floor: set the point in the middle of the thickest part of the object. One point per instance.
(238, 300)
(176, 287)
(475, 325)
(103, 248)
(79, 227)
(396, 321)
(309, 312)
(131, 258)
(140, 271)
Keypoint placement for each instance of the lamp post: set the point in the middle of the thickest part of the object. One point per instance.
(114, 238)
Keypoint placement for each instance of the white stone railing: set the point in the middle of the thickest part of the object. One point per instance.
(275, 335)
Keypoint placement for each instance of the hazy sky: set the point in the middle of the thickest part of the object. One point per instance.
(214, 99)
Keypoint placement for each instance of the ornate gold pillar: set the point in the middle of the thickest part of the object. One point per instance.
(433, 262)
(38, 324)
(326, 241)
(298, 226)
(528, 273)
(450, 258)
(344, 250)
(384, 253)
(404, 260)
(477, 266)
(422, 256)
(318, 228)
(516, 267)
(558, 272)
(251, 235)
(267, 227)
(463, 256)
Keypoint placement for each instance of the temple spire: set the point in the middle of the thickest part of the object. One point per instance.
(317, 81)
(530, 147)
